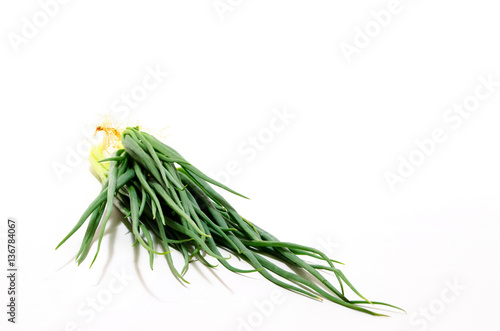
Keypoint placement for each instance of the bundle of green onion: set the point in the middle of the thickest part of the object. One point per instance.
(164, 196)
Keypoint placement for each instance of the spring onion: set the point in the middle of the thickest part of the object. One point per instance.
(165, 197)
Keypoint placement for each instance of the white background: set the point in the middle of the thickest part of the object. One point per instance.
(319, 181)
